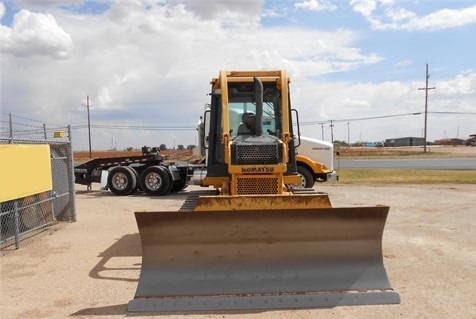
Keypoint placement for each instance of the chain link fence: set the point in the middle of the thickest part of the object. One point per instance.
(24, 218)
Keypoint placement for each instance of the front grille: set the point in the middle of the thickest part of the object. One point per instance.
(256, 186)
(249, 154)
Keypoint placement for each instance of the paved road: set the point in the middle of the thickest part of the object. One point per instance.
(424, 163)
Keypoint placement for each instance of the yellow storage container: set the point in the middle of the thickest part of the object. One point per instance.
(59, 134)
(24, 170)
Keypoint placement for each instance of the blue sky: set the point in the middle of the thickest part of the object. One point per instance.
(146, 65)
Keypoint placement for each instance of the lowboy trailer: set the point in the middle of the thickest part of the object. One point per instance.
(123, 175)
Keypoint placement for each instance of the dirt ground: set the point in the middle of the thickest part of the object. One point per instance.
(89, 269)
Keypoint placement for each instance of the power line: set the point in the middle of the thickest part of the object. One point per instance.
(28, 119)
(136, 127)
(382, 116)
(460, 113)
(358, 118)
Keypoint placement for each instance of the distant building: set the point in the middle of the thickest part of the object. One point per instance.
(450, 141)
(471, 141)
(405, 141)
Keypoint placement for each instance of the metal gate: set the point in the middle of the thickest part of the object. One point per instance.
(25, 217)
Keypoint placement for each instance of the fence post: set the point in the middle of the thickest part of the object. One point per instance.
(52, 198)
(1, 223)
(11, 128)
(17, 224)
(71, 179)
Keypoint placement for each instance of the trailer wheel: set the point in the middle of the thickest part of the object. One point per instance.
(307, 180)
(155, 180)
(121, 180)
(137, 183)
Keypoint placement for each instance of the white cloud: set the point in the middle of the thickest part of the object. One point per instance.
(400, 14)
(403, 64)
(443, 19)
(366, 8)
(274, 13)
(355, 103)
(387, 3)
(35, 34)
(153, 63)
(227, 12)
(148, 63)
(345, 102)
(316, 5)
(383, 15)
(462, 84)
(35, 4)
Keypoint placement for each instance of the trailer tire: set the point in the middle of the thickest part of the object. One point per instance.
(155, 180)
(137, 184)
(121, 180)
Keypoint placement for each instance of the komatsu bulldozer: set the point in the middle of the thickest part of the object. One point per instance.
(256, 243)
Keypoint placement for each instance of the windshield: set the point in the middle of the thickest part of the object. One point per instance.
(242, 111)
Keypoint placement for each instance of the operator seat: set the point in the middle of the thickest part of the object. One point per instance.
(248, 124)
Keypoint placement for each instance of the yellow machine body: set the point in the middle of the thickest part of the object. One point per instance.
(256, 243)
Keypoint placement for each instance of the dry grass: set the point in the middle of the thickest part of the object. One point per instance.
(398, 176)
(388, 152)
(402, 176)
(351, 153)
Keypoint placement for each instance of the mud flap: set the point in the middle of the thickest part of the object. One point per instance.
(262, 259)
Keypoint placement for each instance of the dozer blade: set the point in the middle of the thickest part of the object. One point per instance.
(268, 202)
(262, 259)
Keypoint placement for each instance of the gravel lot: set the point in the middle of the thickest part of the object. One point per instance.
(90, 268)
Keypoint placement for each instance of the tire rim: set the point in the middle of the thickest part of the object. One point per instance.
(153, 181)
(120, 181)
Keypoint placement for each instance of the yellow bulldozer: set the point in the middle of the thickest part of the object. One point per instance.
(256, 243)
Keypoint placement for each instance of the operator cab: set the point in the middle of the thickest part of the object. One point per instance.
(255, 120)
(242, 111)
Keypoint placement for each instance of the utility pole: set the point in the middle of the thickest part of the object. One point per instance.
(348, 133)
(89, 127)
(426, 88)
(332, 132)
